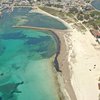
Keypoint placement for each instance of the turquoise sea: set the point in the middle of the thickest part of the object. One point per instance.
(26, 70)
(96, 4)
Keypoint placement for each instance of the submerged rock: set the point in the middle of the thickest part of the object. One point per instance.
(9, 89)
(0, 98)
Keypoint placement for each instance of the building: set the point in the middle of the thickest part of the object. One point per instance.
(95, 33)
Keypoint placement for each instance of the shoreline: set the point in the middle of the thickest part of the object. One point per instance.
(94, 6)
(77, 66)
(63, 73)
(55, 62)
(78, 59)
(61, 58)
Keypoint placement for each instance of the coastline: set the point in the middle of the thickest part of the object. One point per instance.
(79, 81)
(61, 58)
(64, 74)
(78, 57)
(64, 64)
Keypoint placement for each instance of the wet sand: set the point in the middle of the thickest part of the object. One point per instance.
(64, 64)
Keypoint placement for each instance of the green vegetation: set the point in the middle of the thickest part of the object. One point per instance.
(94, 13)
(50, 10)
(58, 13)
(54, 12)
(73, 10)
(87, 1)
(80, 17)
(89, 18)
(86, 16)
(93, 19)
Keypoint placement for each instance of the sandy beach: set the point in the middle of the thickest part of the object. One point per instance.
(64, 64)
(78, 61)
(85, 68)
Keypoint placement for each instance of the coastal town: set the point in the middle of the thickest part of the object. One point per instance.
(79, 55)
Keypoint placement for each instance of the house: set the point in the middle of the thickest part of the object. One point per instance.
(95, 33)
(99, 86)
(98, 40)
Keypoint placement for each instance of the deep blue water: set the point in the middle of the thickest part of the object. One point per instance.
(25, 65)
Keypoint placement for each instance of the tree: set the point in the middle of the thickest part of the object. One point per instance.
(58, 0)
(73, 10)
(80, 17)
(30, 1)
(86, 16)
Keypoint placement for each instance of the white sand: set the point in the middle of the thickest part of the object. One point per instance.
(84, 81)
(84, 74)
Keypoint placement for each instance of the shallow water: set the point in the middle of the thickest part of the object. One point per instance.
(96, 4)
(25, 66)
